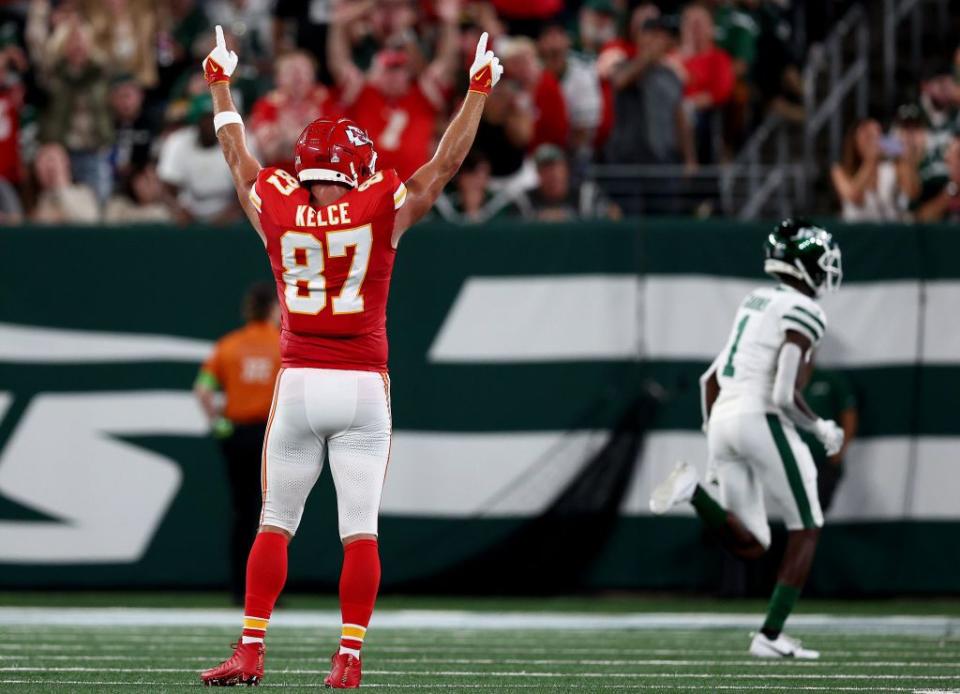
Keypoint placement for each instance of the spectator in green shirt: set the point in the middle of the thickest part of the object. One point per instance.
(736, 32)
(925, 150)
(830, 395)
(77, 114)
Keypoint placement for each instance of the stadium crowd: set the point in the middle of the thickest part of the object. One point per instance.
(105, 116)
(912, 171)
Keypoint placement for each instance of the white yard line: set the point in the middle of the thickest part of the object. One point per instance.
(509, 674)
(591, 687)
(413, 643)
(649, 662)
(454, 637)
(462, 619)
(928, 653)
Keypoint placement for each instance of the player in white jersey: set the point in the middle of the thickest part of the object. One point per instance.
(752, 407)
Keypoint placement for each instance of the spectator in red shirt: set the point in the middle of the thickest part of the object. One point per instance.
(12, 61)
(527, 17)
(540, 92)
(279, 116)
(710, 76)
(395, 106)
(530, 9)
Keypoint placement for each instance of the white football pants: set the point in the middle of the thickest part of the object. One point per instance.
(757, 451)
(317, 412)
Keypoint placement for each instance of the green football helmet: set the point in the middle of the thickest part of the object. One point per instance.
(801, 249)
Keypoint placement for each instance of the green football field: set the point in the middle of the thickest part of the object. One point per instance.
(593, 645)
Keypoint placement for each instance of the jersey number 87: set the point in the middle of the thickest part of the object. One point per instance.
(303, 266)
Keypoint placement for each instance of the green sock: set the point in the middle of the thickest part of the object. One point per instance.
(781, 605)
(711, 513)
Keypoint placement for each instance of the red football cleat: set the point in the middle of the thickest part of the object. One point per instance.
(344, 672)
(245, 666)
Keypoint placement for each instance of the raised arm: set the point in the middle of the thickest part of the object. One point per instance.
(345, 72)
(244, 167)
(425, 186)
(448, 43)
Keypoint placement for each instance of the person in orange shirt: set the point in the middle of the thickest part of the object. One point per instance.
(235, 389)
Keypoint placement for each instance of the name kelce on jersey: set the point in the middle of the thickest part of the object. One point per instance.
(338, 213)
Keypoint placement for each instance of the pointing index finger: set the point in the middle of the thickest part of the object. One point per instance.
(482, 45)
(221, 42)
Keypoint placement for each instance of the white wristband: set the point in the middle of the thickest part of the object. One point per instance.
(226, 118)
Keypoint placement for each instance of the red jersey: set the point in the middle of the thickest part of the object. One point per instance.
(611, 54)
(332, 265)
(403, 128)
(711, 72)
(552, 124)
(9, 136)
(530, 9)
(275, 110)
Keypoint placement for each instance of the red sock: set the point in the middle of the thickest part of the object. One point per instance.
(359, 582)
(266, 574)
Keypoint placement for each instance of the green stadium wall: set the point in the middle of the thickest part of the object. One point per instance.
(514, 350)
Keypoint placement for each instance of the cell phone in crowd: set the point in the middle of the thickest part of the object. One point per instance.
(891, 146)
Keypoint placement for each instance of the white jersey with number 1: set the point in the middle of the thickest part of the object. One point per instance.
(747, 366)
(755, 451)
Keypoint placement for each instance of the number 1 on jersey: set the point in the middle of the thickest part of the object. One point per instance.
(728, 369)
(303, 266)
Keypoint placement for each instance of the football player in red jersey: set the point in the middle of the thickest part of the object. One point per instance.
(331, 234)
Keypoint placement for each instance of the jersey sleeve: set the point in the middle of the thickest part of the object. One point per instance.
(804, 317)
(271, 192)
(399, 190)
(383, 193)
(257, 190)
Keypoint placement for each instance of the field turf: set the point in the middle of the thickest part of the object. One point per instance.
(658, 645)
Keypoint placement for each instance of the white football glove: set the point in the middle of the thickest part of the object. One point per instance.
(220, 63)
(486, 69)
(830, 435)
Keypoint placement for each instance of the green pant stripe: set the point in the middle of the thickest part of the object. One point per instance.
(792, 470)
(812, 316)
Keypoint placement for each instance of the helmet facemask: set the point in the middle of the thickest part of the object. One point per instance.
(831, 264)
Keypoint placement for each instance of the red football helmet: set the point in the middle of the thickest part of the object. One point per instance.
(339, 151)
